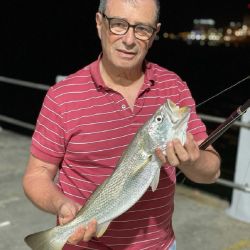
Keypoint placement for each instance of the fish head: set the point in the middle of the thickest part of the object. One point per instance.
(169, 122)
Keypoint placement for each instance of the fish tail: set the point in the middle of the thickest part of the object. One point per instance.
(45, 240)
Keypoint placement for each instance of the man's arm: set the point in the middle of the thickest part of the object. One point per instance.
(39, 186)
(200, 166)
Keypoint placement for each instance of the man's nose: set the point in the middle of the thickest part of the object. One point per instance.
(129, 38)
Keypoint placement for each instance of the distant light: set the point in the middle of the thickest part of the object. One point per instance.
(198, 37)
(172, 36)
(196, 21)
(227, 38)
(204, 21)
(239, 32)
(244, 27)
(165, 35)
(248, 6)
(229, 31)
(232, 24)
(203, 37)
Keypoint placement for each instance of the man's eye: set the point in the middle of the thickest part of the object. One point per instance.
(143, 29)
(119, 25)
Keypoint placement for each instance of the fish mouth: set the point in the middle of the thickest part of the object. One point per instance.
(177, 115)
(180, 111)
(183, 110)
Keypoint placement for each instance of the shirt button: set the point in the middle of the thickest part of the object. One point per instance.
(123, 106)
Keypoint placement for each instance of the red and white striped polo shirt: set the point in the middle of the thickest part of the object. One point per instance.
(84, 127)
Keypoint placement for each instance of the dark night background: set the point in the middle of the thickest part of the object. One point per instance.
(40, 40)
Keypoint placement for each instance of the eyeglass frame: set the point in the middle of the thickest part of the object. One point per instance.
(129, 25)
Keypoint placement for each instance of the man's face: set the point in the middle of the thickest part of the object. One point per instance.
(126, 51)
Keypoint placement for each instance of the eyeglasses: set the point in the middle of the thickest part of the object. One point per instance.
(120, 26)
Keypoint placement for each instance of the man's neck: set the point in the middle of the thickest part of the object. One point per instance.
(116, 76)
(128, 83)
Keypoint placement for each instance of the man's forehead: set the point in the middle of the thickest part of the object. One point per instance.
(132, 3)
(147, 8)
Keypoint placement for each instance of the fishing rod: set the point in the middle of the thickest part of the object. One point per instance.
(225, 125)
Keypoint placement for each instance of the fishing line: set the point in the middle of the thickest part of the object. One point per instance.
(223, 91)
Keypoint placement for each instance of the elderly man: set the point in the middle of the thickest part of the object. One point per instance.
(88, 120)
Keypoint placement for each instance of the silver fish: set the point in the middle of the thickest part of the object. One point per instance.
(137, 169)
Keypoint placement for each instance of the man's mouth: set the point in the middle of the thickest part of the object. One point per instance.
(126, 54)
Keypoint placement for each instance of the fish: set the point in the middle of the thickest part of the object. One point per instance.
(138, 169)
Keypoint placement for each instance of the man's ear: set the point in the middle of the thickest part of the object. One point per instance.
(158, 27)
(98, 19)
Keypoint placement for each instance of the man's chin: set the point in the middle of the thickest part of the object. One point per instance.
(126, 64)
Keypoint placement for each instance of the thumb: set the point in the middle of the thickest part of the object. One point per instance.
(67, 212)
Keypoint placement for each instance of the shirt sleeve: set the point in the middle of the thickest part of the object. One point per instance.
(195, 125)
(48, 142)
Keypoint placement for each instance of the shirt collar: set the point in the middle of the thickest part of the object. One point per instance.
(96, 74)
(149, 79)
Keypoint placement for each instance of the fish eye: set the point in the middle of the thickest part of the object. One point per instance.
(159, 118)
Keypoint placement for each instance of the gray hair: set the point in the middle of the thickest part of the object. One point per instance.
(103, 4)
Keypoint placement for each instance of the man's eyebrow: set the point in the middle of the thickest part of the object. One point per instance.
(136, 23)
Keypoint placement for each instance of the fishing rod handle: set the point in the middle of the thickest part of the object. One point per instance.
(225, 125)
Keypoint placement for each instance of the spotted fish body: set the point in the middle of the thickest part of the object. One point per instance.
(137, 169)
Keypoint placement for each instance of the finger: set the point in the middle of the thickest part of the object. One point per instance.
(90, 231)
(171, 155)
(67, 212)
(190, 142)
(77, 235)
(65, 216)
(62, 220)
(160, 155)
(180, 151)
(192, 147)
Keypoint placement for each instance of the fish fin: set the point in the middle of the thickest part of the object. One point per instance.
(45, 240)
(101, 229)
(141, 166)
(155, 181)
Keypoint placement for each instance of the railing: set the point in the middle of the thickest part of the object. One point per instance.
(204, 117)
(217, 119)
(26, 84)
(23, 83)
(16, 122)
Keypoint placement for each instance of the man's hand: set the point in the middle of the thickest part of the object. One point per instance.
(67, 212)
(200, 166)
(178, 155)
